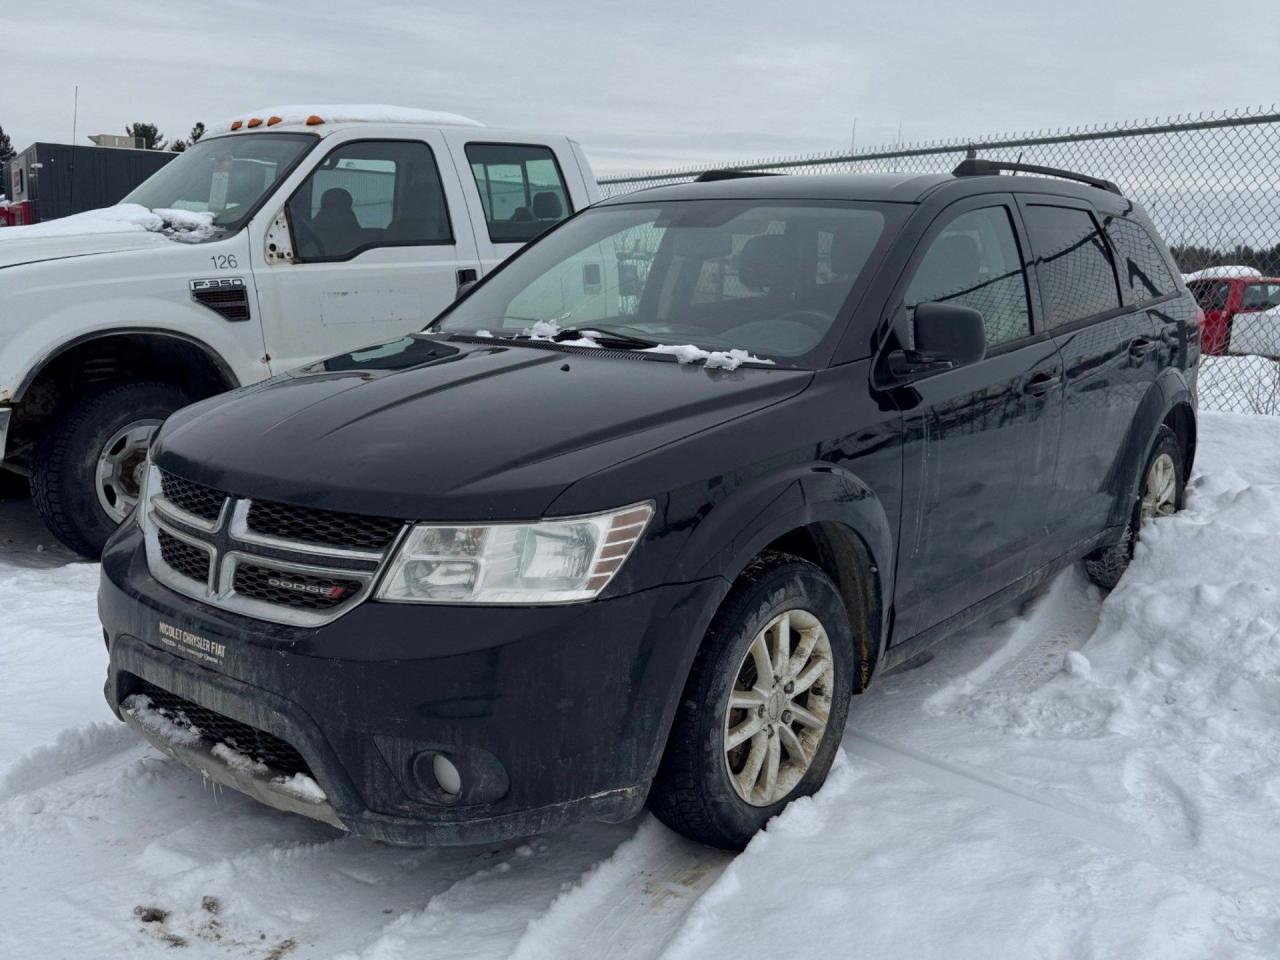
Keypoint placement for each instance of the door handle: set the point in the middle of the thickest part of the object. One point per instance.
(1041, 384)
(1140, 346)
(467, 275)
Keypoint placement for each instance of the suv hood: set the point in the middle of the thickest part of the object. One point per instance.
(427, 429)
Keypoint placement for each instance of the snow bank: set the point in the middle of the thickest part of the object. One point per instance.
(712, 359)
(122, 218)
(1234, 384)
(351, 113)
(1221, 273)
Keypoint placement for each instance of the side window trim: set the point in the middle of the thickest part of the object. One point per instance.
(487, 204)
(1054, 200)
(450, 241)
(941, 219)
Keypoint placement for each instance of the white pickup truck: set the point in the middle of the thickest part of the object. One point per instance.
(285, 236)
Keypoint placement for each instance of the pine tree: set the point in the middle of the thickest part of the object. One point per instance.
(196, 133)
(7, 152)
(148, 133)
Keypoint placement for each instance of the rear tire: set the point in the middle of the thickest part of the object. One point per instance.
(1161, 492)
(80, 488)
(783, 714)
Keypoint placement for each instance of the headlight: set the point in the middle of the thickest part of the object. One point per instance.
(145, 482)
(552, 561)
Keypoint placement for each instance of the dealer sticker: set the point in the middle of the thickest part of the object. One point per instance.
(202, 648)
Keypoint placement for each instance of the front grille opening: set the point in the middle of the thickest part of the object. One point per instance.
(197, 499)
(322, 527)
(301, 591)
(182, 557)
(216, 728)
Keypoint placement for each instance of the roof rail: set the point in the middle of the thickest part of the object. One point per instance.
(711, 176)
(977, 167)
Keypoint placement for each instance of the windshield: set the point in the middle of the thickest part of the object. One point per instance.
(225, 176)
(765, 276)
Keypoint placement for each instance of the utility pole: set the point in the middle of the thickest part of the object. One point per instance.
(75, 112)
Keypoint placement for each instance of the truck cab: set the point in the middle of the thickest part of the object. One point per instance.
(281, 237)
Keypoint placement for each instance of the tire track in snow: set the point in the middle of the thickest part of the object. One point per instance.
(629, 906)
(1083, 824)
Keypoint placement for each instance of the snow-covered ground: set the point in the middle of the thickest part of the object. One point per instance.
(1075, 778)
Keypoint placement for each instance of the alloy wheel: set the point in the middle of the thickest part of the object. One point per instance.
(120, 466)
(778, 707)
(1159, 496)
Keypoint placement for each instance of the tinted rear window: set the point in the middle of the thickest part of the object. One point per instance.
(1144, 273)
(1073, 263)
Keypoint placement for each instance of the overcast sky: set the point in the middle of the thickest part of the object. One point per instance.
(642, 85)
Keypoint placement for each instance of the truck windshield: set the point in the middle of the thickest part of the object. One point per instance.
(768, 277)
(225, 176)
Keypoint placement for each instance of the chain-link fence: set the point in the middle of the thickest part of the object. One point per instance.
(1210, 183)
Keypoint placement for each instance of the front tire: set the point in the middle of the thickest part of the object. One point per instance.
(763, 711)
(1161, 493)
(86, 466)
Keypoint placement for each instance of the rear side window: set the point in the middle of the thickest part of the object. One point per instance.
(1260, 296)
(1073, 263)
(1144, 274)
(375, 193)
(974, 262)
(521, 189)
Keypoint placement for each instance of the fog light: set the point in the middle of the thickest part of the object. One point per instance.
(446, 774)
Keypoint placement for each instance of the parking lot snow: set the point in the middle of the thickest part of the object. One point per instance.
(1075, 777)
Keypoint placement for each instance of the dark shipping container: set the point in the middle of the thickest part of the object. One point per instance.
(69, 179)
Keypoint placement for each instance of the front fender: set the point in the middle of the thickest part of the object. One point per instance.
(738, 528)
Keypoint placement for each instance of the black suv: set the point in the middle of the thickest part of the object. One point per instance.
(637, 515)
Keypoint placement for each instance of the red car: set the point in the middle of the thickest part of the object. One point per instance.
(1224, 297)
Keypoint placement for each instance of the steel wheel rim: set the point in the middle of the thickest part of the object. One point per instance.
(1159, 496)
(778, 708)
(120, 466)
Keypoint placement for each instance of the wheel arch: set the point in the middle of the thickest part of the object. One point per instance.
(1168, 402)
(116, 355)
(149, 340)
(820, 514)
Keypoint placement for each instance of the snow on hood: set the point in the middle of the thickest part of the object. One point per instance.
(1221, 273)
(122, 218)
(352, 113)
(126, 226)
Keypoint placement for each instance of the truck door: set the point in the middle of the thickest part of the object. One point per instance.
(380, 237)
(517, 189)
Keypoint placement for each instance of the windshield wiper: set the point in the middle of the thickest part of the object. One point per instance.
(603, 335)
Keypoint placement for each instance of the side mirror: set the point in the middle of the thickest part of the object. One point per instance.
(947, 336)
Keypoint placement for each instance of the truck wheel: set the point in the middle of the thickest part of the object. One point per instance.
(86, 466)
(764, 708)
(1161, 494)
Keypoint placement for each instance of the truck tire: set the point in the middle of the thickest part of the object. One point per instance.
(85, 467)
(756, 729)
(1161, 492)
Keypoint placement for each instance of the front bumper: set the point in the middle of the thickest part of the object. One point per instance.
(551, 714)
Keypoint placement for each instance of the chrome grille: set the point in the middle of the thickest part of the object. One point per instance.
(267, 560)
(323, 527)
(190, 561)
(196, 499)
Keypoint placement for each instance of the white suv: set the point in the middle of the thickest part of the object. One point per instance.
(289, 235)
